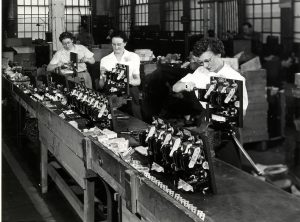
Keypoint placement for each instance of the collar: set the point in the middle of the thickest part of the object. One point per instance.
(125, 54)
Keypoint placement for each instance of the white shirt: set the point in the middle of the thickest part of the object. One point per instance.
(128, 58)
(201, 77)
(63, 56)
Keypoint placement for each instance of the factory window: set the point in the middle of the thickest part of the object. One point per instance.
(203, 16)
(74, 10)
(297, 21)
(32, 18)
(264, 15)
(199, 19)
(228, 18)
(141, 12)
(125, 16)
(173, 13)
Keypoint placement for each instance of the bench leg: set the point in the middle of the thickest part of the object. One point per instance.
(44, 168)
(89, 203)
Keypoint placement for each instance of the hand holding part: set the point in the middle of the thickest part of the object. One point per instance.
(83, 60)
(189, 86)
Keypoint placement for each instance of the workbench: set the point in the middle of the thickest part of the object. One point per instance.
(240, 196)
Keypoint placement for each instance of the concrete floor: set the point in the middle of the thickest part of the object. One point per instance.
(21, 196)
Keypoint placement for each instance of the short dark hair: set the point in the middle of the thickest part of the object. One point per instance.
(213, 44)
(247, 24)
(119, 34)
(66, 35)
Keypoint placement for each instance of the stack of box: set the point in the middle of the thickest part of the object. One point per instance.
(255, 122)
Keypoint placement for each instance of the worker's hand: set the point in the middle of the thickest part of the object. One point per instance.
(102, 81)
(66, 66)
(83, 59)
(59, 64)
(190, 86)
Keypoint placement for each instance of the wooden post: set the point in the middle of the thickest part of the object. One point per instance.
(88, 205)
(109, 198)
(44, 167)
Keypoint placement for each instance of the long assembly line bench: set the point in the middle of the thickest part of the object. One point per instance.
(240, 196)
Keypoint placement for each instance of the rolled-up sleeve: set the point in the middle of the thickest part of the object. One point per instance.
(136, 64)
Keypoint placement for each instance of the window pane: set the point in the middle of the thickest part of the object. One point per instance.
(27, 2)
(69, 26)
(275, 10)
(41, 2)
(20, 2)
(21, 35)
(35, 10)
(33, 2)
(266, 11)
(257, 11)
(75, 3)
(76, 18)
(276, 25)
(69, 2)
(76, 10)
(36, 28)
(42, 10)
(297, 25)
(27, 35)
(83, 10)
(35, 19)
(20, 27)
(27, 27)
(267, 25)
(257, 25)
(297, 37)
(297, 9)
(27, 10)
(68, 11)
(21, 10)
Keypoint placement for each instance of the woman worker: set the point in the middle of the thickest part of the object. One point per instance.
(122, 56)
(208, 53)
(61, 58)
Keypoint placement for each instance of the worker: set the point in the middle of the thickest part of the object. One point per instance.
(109, 34)
(62, 60)
(84, 37)
(208, 51)
(122, 56)
(247, 32)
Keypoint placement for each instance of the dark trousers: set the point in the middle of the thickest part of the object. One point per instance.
(135, 103)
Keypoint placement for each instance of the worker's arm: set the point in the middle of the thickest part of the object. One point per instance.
(183, 86)
(135, 80)
(55, 62)
(134, 66)
(52, 67)
(102, 78)
(90, 60)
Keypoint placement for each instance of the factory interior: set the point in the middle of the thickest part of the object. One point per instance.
(150, 110)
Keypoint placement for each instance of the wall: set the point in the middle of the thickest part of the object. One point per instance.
(104, 7)
(154, 12)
